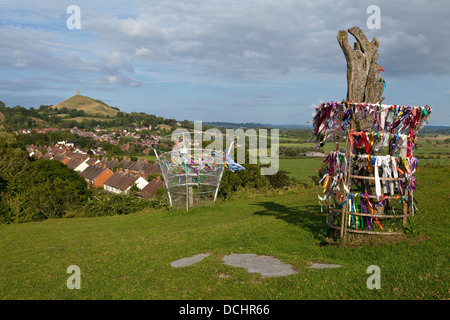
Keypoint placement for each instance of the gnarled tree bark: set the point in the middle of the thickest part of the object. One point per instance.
(363, 81)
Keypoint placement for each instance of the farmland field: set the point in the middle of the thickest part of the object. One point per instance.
(301, 168)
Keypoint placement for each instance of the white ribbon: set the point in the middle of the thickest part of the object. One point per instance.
(378, 163)
(346, 188)
(324, 198)
(382, 118)
(387, 174)
(394, 173)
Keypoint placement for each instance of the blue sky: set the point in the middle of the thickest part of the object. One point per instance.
(216, 60)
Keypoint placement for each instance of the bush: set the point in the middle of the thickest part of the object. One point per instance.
(279, 180)
(109, 204)
(33, 190)
(154, 175)
(251, 178)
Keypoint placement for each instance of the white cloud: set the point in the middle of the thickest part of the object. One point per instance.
(139, 52)
(280, 37)
(243, 39)
(253, 54)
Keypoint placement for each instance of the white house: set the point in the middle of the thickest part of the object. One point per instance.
(121, 182)
(82, 166)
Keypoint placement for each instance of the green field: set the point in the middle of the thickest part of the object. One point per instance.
(301, 168)
(128, 257)
(80, 119)
(433, 147)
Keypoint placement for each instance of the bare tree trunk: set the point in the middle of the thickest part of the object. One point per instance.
(363, 81)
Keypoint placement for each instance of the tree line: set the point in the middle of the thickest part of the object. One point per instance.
(18, 117)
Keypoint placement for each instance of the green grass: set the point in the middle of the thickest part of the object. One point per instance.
(301, 168)
(428, 148)
(90, 106)
(149, 157)
(308, 145)
(128, 257)
(80, 119)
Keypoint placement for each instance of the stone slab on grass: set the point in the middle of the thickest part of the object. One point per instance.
(265, 265)
(184, 262)
(324, 266)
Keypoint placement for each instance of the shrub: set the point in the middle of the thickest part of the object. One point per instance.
(280, 179)
(109, 204)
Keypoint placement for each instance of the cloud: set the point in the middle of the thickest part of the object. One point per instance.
(128, 35)
(114, 69)
(269, 39)
(199, 49)
(19, 59)
(247, 40)
(119, 79)
(139, 52)
(51, 53)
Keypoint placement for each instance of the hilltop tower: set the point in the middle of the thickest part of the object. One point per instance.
(78, 92)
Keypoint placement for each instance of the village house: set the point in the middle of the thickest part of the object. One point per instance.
(73, 163)
(149, 191)
(121, 181)
(143, 166)
(126, 164)
(154, 168)
(31, 149)
(96, 175)
(83, 166)
(147, 150)
(65, 160)
(110, 164)
(66, 143)
(78, 165)
(37, 154)
(92, 161)
(59, 158)
(78, 150)
(47, 157)
(125, 147)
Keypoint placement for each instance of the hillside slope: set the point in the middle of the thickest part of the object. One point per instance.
(88, 105)
(129, 256)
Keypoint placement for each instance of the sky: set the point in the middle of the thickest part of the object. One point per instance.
(259, 61)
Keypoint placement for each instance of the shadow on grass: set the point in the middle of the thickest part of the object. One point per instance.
(307, 217)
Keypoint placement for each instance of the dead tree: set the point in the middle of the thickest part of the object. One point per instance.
(363, 81)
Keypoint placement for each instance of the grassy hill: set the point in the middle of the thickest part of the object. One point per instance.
(90, 106)
(128, 256)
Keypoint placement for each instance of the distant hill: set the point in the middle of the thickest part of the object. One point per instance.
(88, 105)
